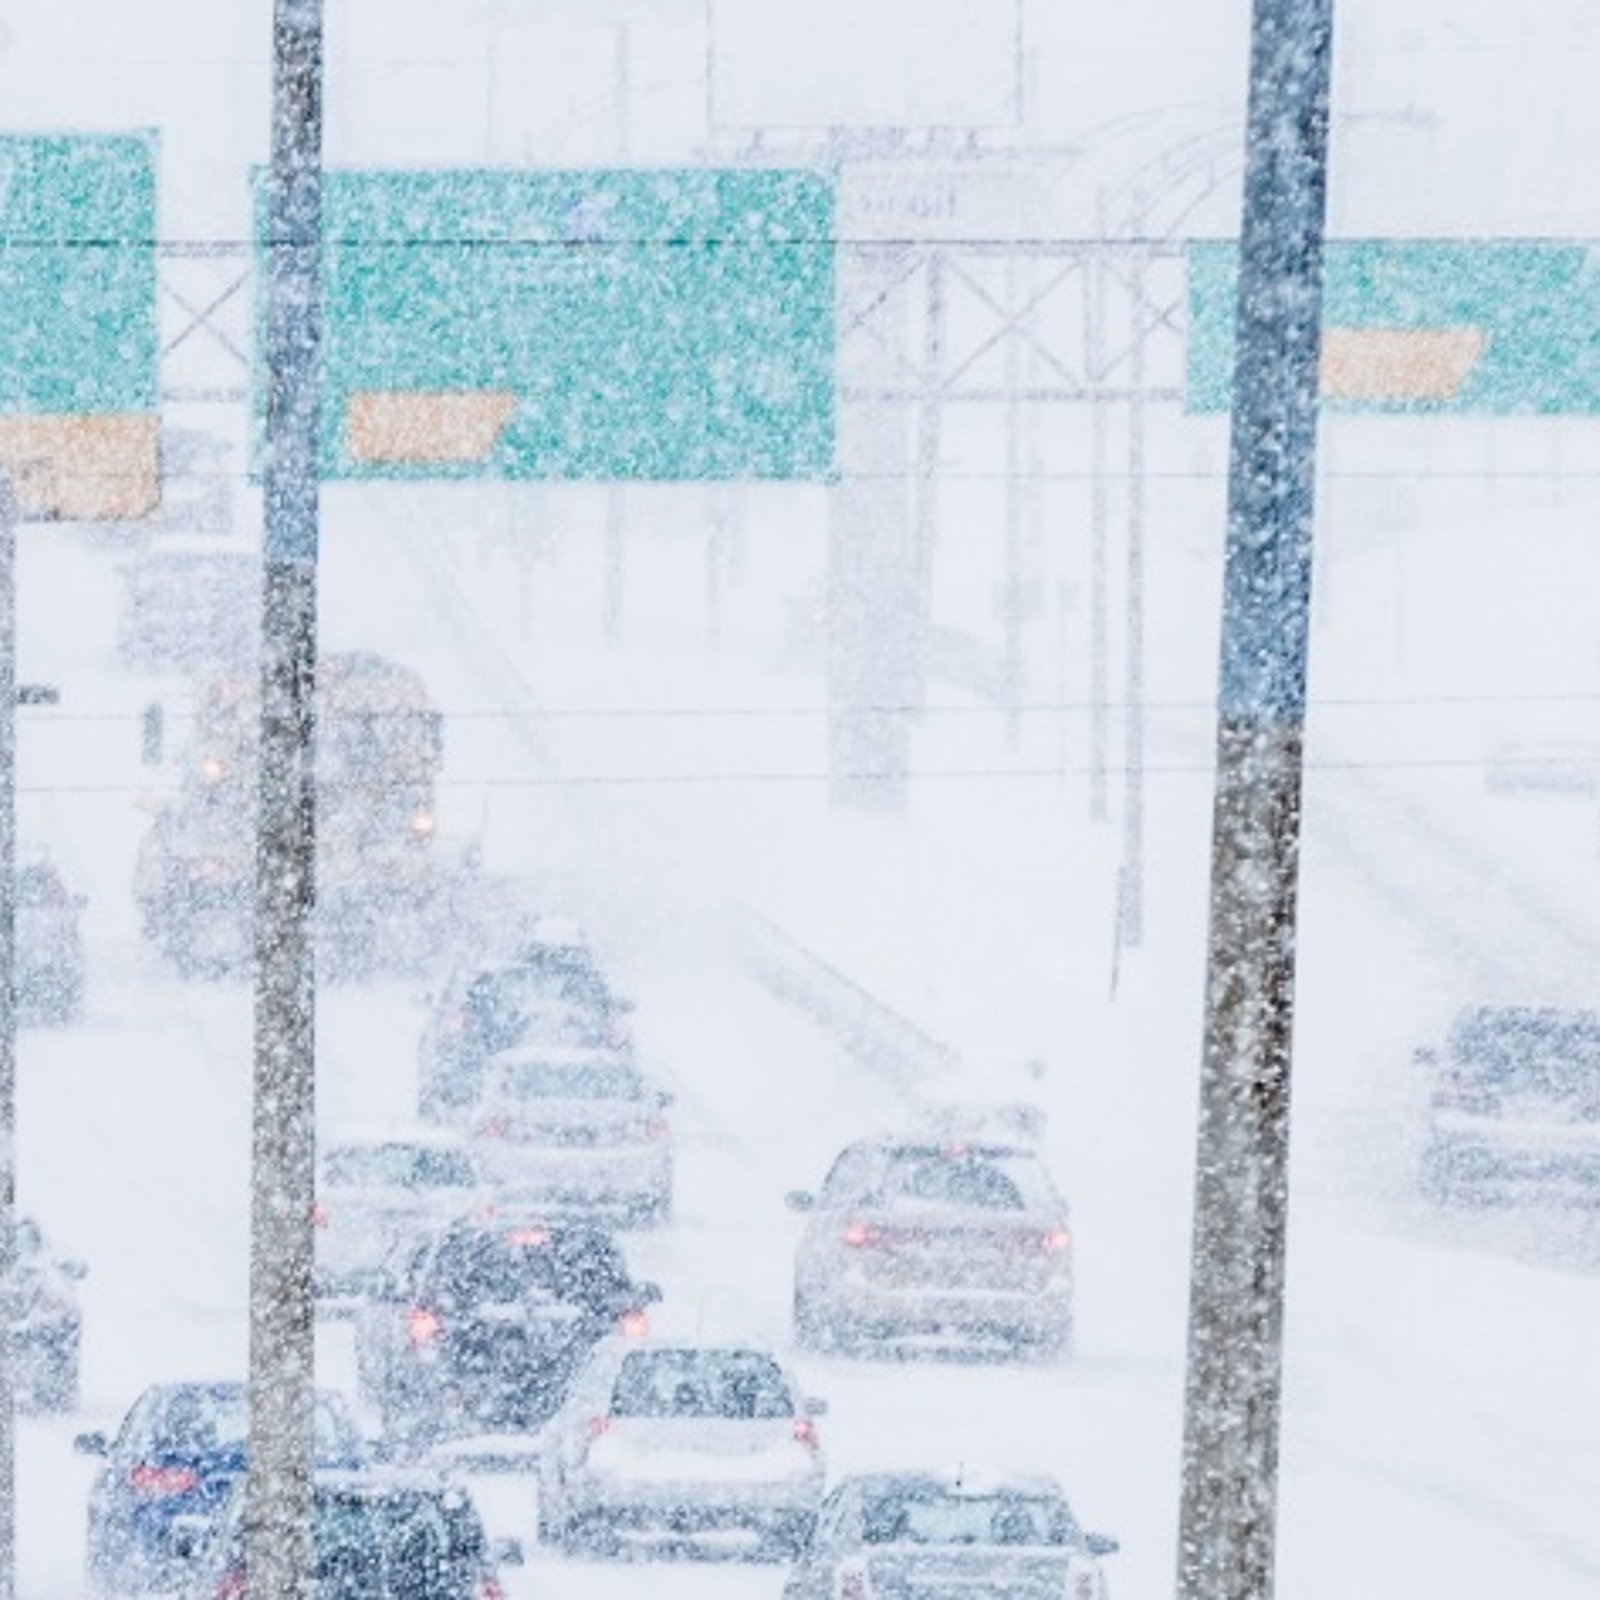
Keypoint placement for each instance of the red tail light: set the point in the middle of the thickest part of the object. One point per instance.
(163, 1480)
(805, 1432)
(1057, 1242)
(230, 1586)
(423, 1326)
(852, 1586)
(494, 1127)
(657, 1128)
(634, 1324)
(862, 1235)
(598, 1426)
(489, 1589)
(319, 1215)
(1085, 1586)
(456, 1022)
(529, 1238)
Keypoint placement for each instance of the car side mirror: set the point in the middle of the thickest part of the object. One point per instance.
(1425, 1057)
(91, 1444)
(507, 1552)
(1101, 1544)
(74, 1271)
(647, 1294)
(814, 1406)
(665, 1098)
(800, 1200)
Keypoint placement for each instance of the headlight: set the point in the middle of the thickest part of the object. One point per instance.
(212, 769)
(422, 824)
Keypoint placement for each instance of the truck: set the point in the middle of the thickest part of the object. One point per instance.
(378, 751)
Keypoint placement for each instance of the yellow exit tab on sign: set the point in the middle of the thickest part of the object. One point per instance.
(1399, 364)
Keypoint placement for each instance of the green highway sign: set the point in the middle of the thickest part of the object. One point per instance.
(78, 339)
(609, 325)
(1487, 327)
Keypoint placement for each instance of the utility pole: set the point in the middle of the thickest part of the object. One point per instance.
(282, 1327)
(8, 1017)
(1130, 901)
(1228, 1515)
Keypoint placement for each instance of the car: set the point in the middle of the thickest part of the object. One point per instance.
(540, 994)
(178, 1454)
(1514, 1108)
(486, 1326)
(949, 1245)
(46, 1322)
(49, 945)
(380, 1533)
(380, 1195)
(682, 1450)
(579, 1130)
(885, 1536)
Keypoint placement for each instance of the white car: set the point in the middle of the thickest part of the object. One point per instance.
(576, 1130)
(377, 1197)
(962, 1536)
(682, 1450)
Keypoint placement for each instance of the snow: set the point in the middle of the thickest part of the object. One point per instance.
(664, 779)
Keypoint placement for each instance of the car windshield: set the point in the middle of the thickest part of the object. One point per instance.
(404, 1166)
(982, 1180)
(700, 1383)
(202, 1422)
(931, 1516)
(582, 1080)
(398, 1546)
(1552, 1053)
(511, 1264)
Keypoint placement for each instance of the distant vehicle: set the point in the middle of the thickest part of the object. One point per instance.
(579, 1130)
(379, 752)
(378, 1534)
(889, 1536)
(680, 1450)
(178, 1454)
(46, 1323)
(538, 993)
(380, 1196)
(49, 945)
(485, 1328)
(1514, 1108)
(937, 1244)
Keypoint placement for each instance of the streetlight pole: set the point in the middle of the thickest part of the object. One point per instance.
(282, 1326)
(1228, 1515)
(8, 1017)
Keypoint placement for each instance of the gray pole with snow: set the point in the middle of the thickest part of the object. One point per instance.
(282, 1328)
(8, 1017)
(1228, 1515)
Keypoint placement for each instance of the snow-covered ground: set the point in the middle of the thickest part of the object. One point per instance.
(667, 777)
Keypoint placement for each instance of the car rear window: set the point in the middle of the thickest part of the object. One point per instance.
(1537, 1052)
(399, 1546)
(202, 1422)
(502, 1266)
(932, 1516)
(39, 886)
(700, 1383)
(584, 1080)
(398, 1166)
(963, 1178)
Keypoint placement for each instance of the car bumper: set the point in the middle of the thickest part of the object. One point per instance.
(978, 1318)
(1476, 1170)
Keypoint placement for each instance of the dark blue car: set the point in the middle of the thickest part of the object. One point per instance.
(179, 1452)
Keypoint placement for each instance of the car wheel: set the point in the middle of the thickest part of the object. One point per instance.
(812, 1331)
(593, 1534)
(1057, 1345)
